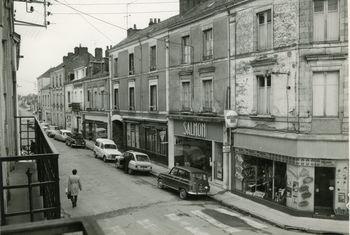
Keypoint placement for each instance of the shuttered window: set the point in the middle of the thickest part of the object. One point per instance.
(326, 20)
(264, 93)
(208, 44)
(131, 98)
(207, 95)
(153, 58)
(115, 66)
(264, 30)
(186, 95)
(131, 64)
(116, 99)
(153, 97)
(325, 93)
(186, 50)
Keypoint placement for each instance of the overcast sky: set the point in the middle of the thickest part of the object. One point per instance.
(44, 48)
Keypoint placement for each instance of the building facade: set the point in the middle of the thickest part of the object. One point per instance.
(57, 96)
(290, 85)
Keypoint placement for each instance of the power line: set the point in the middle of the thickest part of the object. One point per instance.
(106, 3)
(112, 13)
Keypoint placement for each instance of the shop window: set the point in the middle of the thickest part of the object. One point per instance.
(325, 93)
(186, 95)
(326, 20)
(208, 44)
(153, 58)
(133, 142)
(262, 178)
(186, 50)
(131, 64)
(207, 95)
(264, 91)
(153, 98)
(156, 140)
(264, 30)
(218, 162)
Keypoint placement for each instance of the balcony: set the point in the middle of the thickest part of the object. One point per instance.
(30, 191)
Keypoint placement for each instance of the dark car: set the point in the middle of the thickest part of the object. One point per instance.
(75, 140)
(186, 180)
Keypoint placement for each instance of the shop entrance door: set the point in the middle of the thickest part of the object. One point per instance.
(324, 190)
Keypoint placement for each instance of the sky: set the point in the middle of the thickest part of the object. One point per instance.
(43, 48)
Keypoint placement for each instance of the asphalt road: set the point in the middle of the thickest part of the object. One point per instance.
(132, 204)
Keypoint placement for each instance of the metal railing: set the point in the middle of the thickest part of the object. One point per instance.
(44, 156)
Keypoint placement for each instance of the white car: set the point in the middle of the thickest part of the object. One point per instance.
(106, 149)
(62, 135)
(137, 162)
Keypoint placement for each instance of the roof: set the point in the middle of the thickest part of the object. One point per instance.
(135, 152)
(46, 74)
(103, 140)
(202, 9)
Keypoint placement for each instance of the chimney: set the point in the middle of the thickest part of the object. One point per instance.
(158, 20)
(76, 50)
(107, 52)
(98, 54)
(150, 22)
(131, 31)
(155, 20)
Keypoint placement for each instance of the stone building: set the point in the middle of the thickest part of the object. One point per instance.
(289, 84)
(57, 96)
(43, 87)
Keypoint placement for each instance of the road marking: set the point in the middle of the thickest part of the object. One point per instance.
(146, 223)
(215, 222)
(245, 218)
(186, 225)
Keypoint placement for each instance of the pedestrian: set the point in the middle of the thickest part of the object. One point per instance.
(74, 186)
(127, 159)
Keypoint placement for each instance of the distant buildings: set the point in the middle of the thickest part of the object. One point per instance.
(253, 92)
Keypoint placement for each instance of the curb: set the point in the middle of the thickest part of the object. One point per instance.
(274, 223)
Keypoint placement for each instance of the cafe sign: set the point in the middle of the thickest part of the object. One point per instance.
(231, 118)
(195, 129)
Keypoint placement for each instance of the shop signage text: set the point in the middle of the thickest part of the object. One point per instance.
(196, 129)
(231, 118)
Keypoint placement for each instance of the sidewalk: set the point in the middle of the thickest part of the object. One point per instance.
(268, 214)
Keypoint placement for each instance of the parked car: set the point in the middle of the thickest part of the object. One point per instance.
(106, 149)
(52, 131)
(186, 180)
(138, 162)
(62, 135)
(75, 140)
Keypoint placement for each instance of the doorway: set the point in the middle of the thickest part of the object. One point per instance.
(324, 190)
(118, 135)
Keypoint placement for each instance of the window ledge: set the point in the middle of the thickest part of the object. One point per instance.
(262, 117)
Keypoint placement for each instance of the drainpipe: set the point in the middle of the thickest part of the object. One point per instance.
(171, 142)
(110, 113)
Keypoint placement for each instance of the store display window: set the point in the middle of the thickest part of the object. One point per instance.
(193, 152)
(260, 177)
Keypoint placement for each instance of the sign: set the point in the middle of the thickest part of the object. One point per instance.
(226, 148)
(231, 118)
(196, 129)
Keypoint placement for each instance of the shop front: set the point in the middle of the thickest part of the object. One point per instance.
(285, 173)
(148, 137)
(199, 144)
(94, 127)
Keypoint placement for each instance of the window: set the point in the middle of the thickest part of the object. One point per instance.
(264, 30)
(102, 99)
(207, 95)
(208, 44)
(131, 64)
(325, 93)
(186, 95)
(116, 98)
(326, 20)
(264, 90)
(186, 50)
(131, 97)
(115, 67)
(153, 58)
(68, 97)
(153, 97)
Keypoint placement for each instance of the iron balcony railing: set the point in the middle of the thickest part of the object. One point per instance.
(37, 149)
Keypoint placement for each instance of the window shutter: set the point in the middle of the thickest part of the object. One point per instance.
(318, 94)
(333, 20)
(332, 93)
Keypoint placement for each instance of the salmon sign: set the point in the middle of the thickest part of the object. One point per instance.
(196, 129)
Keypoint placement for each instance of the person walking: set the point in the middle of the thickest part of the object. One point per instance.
(74, 186)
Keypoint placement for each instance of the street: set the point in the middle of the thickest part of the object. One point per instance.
(132, 204)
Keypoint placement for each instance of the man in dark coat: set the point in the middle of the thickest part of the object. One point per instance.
(127, 159)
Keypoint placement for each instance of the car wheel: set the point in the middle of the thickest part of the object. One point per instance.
(67, 143)
(160, 184)
(104, 158)
(130, 171)
(183, 194)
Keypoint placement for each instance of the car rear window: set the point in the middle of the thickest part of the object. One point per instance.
(184, 174)
(142, 158)
(199, 176)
